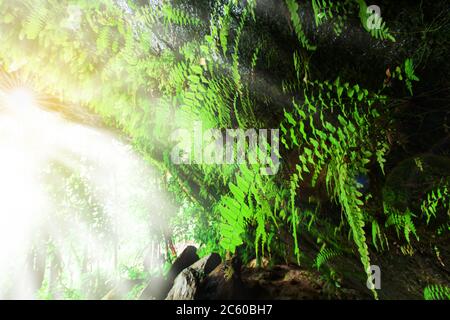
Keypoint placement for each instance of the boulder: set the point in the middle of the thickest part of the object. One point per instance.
(185, 259)
(218, 285)
(158, 287)
(207, 263)
(187, 283)
(223, 283)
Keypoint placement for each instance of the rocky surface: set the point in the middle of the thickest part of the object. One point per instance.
(281, 282)
(186, 285)
(158, 287)
(208, 278)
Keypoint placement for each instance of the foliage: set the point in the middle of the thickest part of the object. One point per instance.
(329, 131)
(250, 204)
(149, 69)
(436, 292)
(402, 223)
(379, 30)
(293, 10)
(325, 255)
(437, 198)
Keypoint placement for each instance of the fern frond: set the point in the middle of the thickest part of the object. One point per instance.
(373, 23)
(104, 39)
(402, 222)
(35, 21)
(436, 292)
(410, 75)
(172, 15)
(327, 10)
(436, 199)
(325, 255)
(293, 7)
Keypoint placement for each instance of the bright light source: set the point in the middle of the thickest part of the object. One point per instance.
(60, 183)
(20, 98)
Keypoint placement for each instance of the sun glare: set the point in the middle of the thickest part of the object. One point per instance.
(20, 98)
(79, 188)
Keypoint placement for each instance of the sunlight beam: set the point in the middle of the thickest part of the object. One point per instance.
(80, 190)
(20, 99)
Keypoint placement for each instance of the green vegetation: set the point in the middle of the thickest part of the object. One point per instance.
(362, 113)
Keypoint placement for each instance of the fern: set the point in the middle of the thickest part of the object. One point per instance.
(437, 198)
(294, 217)
(406, 73)
(402, 222)
(410, 75)
(442, 229)
(327, 145)
(152, 69)
(224, 22)
(325, 255)
(322, 11)
(104, 39)
(436, 292)
(380, 31)
(35, 21)
(378, 237)
(327, 10)
(253, 202)
(293, 8)
(172, 15)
